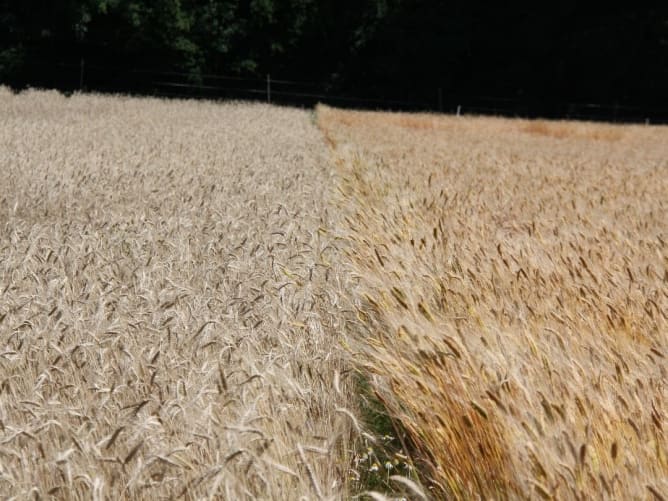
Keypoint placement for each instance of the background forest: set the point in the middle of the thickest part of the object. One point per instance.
(421, 51)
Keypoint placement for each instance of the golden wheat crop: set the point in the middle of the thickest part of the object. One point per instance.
(170, 302)
(181, 294)
(513, 292)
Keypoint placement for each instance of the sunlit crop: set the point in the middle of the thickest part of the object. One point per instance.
(202, 300)
(513, 297)
(170, 302)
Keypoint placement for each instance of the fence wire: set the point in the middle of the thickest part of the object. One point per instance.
(72, 76)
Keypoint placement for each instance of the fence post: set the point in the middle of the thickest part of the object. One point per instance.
(81, 74)
(459, 109)
(268, 88)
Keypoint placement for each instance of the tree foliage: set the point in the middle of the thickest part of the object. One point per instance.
(374, 47)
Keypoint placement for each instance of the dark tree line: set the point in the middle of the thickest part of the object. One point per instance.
(385, 49)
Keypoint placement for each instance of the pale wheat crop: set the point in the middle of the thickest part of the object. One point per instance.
(170, 302)
(186, 288)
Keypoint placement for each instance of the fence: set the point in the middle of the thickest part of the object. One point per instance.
(74, 76)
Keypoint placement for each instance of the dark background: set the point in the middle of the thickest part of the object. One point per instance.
(563, 60)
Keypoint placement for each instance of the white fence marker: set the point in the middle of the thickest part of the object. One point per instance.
(268, 88)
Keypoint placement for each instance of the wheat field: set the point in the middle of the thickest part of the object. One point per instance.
(204, 300)
(170, 302)
(513, 293)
